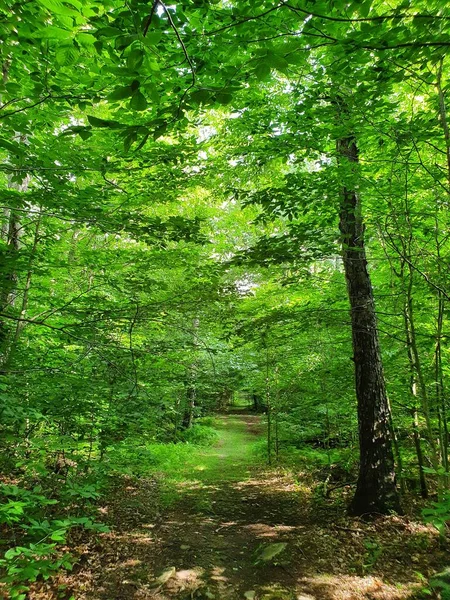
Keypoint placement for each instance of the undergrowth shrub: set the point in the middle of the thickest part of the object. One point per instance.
(36, 532)
(207, 421)
(200, 435)
(438, 514)
(143, 459)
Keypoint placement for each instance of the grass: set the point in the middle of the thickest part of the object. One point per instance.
(231, 457)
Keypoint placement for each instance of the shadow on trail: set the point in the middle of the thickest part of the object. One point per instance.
(209, 541)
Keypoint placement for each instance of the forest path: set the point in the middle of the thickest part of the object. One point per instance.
(217, 518)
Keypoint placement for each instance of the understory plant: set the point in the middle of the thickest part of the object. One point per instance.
(37, 535)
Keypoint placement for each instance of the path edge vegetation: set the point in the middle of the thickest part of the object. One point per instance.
(164, 167)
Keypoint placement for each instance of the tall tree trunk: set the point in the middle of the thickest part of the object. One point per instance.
(11, 344)
(191, 384)
(439, 376)
(419, 453)
(376, 490)
(268, 404)
(189, 407)
(8, 291)
(12, 231)
(419, 382)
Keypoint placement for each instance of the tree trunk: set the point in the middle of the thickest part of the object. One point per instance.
(419, 454)
(188, 416)
(8, 292)
(191, 384)
(376, 490)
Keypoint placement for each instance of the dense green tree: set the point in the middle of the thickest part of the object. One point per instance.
(209, 201)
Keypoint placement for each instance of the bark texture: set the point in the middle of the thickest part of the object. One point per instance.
(376, 490)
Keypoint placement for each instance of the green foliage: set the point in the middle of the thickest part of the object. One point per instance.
(441, 583)
(20, 503)
(170, 191)
(373, 551)
(39, 555)
(24, 564)
(268, 553)
(202, 435)
(438, 514)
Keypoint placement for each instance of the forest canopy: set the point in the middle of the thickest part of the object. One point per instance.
(207, 203)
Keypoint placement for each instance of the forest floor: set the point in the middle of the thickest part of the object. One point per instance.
(212, 531)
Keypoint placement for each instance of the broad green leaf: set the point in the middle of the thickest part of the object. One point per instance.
(108, 32)
(262, 71)
(123, 41)
(53, 32)
(12, 147)
(135, 59)
(224, 97)
(277, 61)
(120, 93)
(66, 55)
(138, 101)
(152, 38)
(364, 8)
(96, 122)
(86, 39)
(201, 96)
(58, 7)
(272, 550)
(129, 139)
(153, 92)
(59, 535)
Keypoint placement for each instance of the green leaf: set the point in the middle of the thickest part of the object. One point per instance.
(52, 32)
(123, 41)
(11, 553)
(364, 8)
(224, 97)
(129, 139)
(12, 147)
(152, 38)
(152, 91)
(58, 7)
(135, 59)
(201, 96)
(272, 550)
(262, 71)
(96, 122)
(120, 93)
(13, 88)
(85, 134)
(138, 101)
(278, 62)
(59, 535)
(86, 39)
(66, 55)
(108, 32)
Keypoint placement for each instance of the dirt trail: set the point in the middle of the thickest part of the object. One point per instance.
(208, 543)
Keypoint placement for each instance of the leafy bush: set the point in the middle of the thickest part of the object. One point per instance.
(24, 564)
(207, 421)
(438, 514)
(38, 554)
(201, 435)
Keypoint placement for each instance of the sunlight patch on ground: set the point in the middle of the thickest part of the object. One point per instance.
(347, 587)
(217, 574)
(191, 575)
(131, 562)
(130, 537)
(261, 530)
